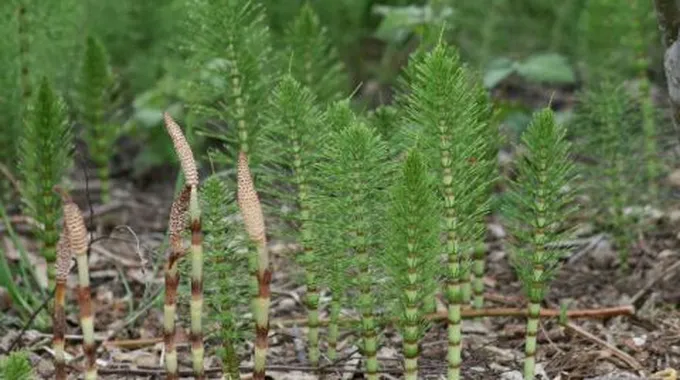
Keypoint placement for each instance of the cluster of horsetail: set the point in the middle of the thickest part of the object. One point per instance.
(389, 208)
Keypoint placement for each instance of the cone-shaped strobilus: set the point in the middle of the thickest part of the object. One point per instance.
(441, 100)
(356, 170)
(188, 199)
(253, 220)
(539, 204)
(411, 259)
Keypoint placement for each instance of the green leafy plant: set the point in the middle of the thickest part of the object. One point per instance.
(232, 41)
(45, 151)
(226, 268)
(95, 104)
(16, 366)
(312, 57)
(355, 170)
(440, 98)
(539, 204)
(412, 256)
(295, 118)
(608, 124)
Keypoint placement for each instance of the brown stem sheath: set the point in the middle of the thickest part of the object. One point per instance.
(78, 242)
(253, 219)
(176, 226)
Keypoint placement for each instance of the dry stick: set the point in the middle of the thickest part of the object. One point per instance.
(77, 237)
(471, 313)
(63, 265)
(176, 226)
(190, 170)
(253, 220)
(634, 364)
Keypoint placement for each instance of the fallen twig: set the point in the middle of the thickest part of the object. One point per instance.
(634, 364)
(470, 313)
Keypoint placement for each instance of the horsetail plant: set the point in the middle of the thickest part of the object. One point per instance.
(539, 205)
(45, 150)
(356, 169)
(188, 164)
(74, 225)
(412, 255)
(94, 95)
(16, 366)
(226, 283)
(63, 266)
(233, 42)
(294, 117)
(328, 222)
(314, 61)
(605, 115)
(253, 220)
(439, 98)
(176, 226)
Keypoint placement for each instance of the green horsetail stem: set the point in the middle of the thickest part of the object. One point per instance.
(188, 164)
(333, 329)
(253, 220)
(176, 225)
(539, 202)
(78, 241)
(412, 257)
(63, 265)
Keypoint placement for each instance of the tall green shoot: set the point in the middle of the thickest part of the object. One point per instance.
(412, 257)
(539, 205)
(355, 169)
(294, 118)
(45, 156)
(94, 101)
(439, 97)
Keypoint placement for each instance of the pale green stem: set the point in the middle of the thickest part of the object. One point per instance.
(530, 346)
(333, 329)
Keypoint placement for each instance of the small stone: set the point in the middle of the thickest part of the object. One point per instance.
(497, 230)
(674, 178)
(45, 369)
(603, 256)
(674, 216)
(512, 375)
(667, 253)
(495, 256)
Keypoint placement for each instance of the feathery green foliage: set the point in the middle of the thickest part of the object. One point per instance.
(355, 170)
(16, 367)
(411, 259)
(439, 96)
(231, 41)
(294, 119)
(226, 280)
(313, 59)
(616, 51)
(45, 156)
(539, 204)
(606, 117)
(39, 39)
(94, 101)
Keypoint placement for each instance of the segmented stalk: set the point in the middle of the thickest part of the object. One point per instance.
(77, 237)
(530, 344)
(333, 328)
(59, 323)
(190, 170)
(479, 257)
(253, 219)
(176, 226)
(197, 349)
(368, 325)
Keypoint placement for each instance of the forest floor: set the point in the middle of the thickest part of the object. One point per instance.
(129, 326)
